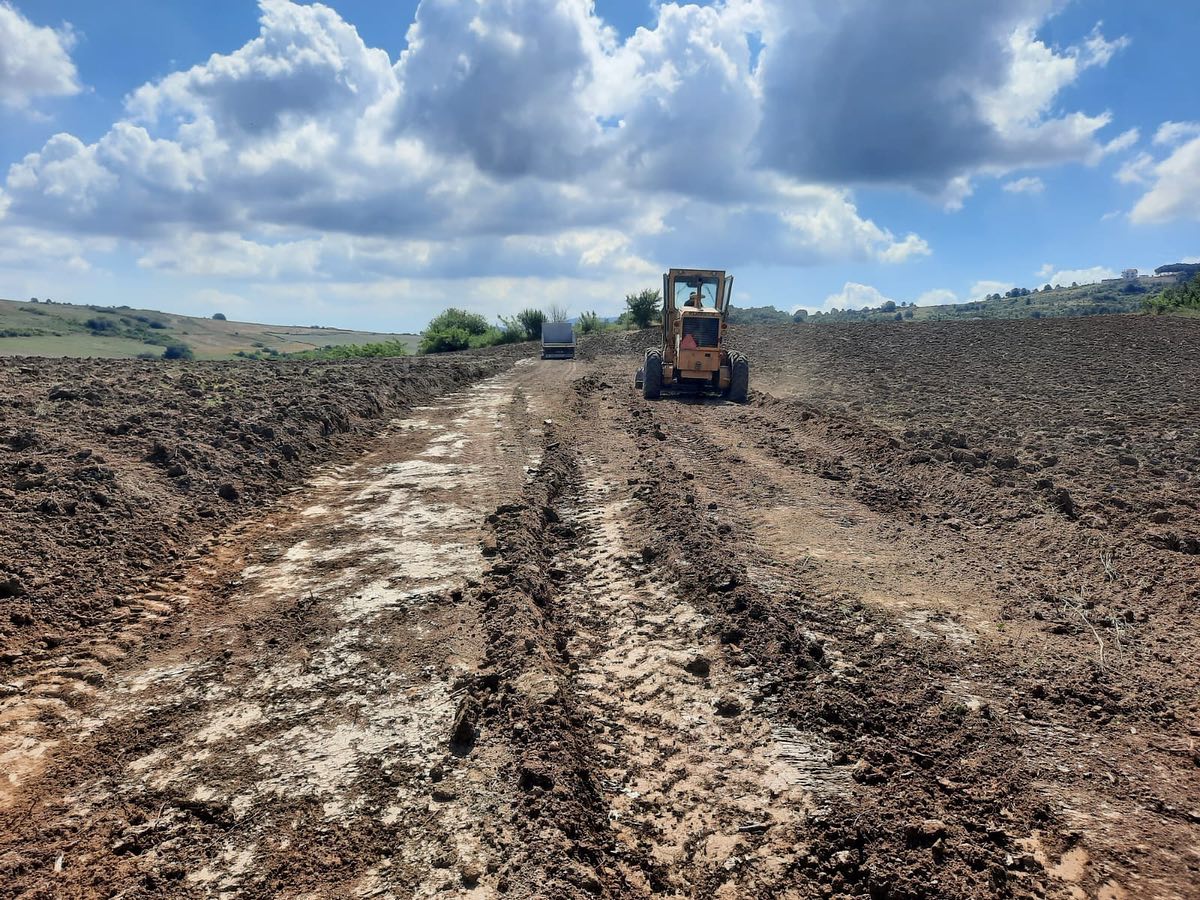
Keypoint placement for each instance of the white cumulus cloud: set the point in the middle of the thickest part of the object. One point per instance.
(501, 132)
(937, 297)
(1171, 133)
(981, 289)
(1174, 183)
(525, 138)
(855, 296)
(35, 61)
(1090, 275)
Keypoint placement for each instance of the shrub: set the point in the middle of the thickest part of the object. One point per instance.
(531, 320)
(514, 332)
(178, 351)
(381, 350)
(489, 338)
(445, 340)
(454, 329)
(220, 317)
(589, 323)
(644, 307)
(511, 331)
(99, 325)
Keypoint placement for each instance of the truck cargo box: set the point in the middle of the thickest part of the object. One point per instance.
(558, 340)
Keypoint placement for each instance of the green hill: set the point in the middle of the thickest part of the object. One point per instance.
(1105, 298)
(65, 329)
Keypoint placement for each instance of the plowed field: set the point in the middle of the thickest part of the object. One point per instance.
(920, 620)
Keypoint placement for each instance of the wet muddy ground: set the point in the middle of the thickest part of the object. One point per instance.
(541, 638)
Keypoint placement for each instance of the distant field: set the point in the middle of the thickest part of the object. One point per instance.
(62, 329)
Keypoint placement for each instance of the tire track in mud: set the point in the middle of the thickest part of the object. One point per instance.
(1076, 797)
(702, 794)
(300, 734)
(910, 686)
(648, 764)
(835, 669)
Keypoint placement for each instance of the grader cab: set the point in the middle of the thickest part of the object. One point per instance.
(693, 356)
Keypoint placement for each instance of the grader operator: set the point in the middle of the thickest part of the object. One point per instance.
(693, 355)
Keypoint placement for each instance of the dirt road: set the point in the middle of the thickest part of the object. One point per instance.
(546, 639)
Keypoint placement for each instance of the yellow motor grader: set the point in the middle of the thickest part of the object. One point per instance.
(693, 355)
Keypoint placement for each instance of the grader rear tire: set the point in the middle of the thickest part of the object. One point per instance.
(739, 378)
(652, 378)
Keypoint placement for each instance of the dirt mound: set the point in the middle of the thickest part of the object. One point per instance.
(611, 343)
(116, 469)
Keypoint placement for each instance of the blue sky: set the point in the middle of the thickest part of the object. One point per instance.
(366, 164)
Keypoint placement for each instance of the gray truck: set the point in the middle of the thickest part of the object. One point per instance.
(558, 340)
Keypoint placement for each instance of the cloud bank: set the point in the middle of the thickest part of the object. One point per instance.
(526, 139)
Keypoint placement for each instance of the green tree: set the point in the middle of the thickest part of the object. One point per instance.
(220, 317)
(644, 307)
(471, 323)
(531, 320)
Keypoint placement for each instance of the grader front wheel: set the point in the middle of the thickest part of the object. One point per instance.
(739, 378)
(652, 377)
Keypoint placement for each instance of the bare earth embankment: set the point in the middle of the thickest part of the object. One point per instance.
(918, 621)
